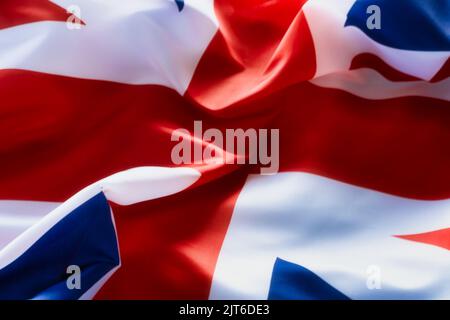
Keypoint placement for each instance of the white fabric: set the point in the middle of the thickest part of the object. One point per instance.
(24, 222)
(146, 183)
(336, 45)
(133, 41)
(336, 230)
(18, 216)
(369, 84)
(126, 187)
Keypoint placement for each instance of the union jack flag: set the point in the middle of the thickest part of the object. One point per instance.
(92, 204)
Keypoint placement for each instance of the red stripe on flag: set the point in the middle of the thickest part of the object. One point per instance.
(399, 146)
(439, 238)
(169, 246)
(13, 13)
(444, 73)
(60, 134)
(368, 60)
(257, 50)
(64, 134)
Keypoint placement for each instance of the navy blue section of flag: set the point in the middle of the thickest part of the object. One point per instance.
(180, 4)
(85, 237)
(293, 282)
(406, 24)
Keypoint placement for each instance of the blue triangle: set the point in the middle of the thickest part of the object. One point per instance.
(180, 4)
(294, 282)
(406, 24)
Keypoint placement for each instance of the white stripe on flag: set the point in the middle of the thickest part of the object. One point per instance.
(369, 84)
(124, 188)
(336, 230)
(18, 216)
(337, 45)
(135, 42)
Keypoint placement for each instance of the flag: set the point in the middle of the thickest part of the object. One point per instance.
(93, 205)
